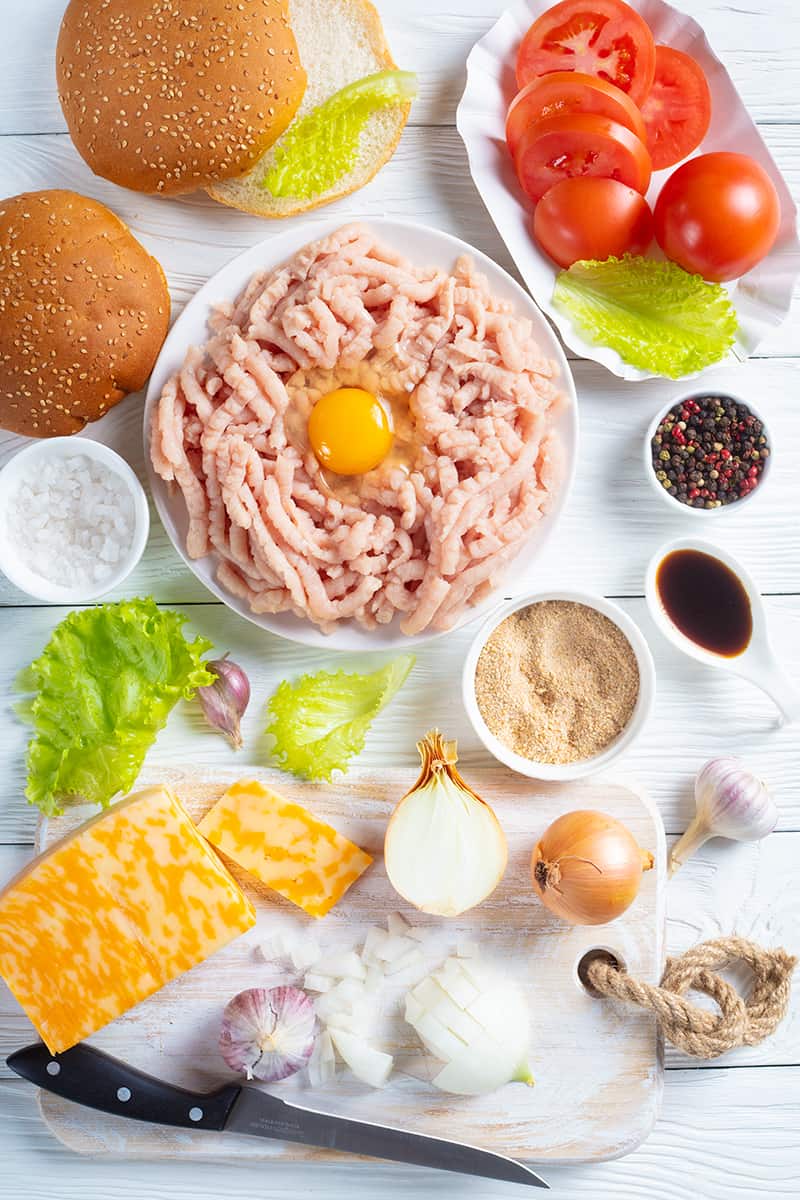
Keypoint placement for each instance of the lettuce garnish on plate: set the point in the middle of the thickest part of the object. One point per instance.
(321, 147)
(103, 687)
(321, 721)
(656, 316)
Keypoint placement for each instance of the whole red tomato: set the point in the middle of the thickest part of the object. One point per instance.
(718, 215)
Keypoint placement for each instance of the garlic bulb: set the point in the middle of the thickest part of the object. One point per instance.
(268, 1033)
(445, 851)
(731, 803)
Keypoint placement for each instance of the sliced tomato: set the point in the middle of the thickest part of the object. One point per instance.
(606, 38)
(575, 145)
(569, 92)
(592, 218)
(677, 111)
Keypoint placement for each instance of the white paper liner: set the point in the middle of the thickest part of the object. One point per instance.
(762, 297)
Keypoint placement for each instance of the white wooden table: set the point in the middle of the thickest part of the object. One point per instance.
(728, 1129)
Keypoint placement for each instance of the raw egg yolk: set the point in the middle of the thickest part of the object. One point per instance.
(349, 431)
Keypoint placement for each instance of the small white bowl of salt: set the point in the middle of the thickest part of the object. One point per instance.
(73, 520)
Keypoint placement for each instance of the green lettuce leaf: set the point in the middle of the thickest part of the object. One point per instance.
(321, 721)
(656, 316)
(321, 147)
(104, 686)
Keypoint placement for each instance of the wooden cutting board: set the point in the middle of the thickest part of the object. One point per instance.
(598, 1067)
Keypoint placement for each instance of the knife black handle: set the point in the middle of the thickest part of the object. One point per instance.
(97, 1080)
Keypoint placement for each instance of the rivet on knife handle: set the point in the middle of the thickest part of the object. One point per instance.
(97, 1080)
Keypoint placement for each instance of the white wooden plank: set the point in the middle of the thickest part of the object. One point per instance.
(721, 1136)
(427, 181)
(434, 40)
(699, 713)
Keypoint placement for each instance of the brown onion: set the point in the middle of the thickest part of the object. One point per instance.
(587, 867)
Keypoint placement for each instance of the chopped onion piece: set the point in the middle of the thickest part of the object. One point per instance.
(393, 948)
(304, 953)
(340, 998)
(371, 1066)
(429, 993)
(317, 983)
(347, 965)
(350, 1022)
(322, 1064)
(457, 984)
(468, 950)
(374, 979)
(411, 959)
(439, 1040)
(373, 942)
(273, 948)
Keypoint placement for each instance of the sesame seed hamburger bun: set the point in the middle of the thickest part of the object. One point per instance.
(171, 95)
(84, 310)
(340, 41)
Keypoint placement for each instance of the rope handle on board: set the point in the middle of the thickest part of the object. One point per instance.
(697, 1031)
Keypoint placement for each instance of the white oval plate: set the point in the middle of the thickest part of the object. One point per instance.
(422, 245)
(762, 297)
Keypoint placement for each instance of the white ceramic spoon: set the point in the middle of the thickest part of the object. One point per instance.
(758, 661)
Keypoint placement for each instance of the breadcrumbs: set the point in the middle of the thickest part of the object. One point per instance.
(557, 682)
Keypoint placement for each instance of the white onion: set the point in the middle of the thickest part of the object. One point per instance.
(476, 1022)
(371, 1066)
(444, 851)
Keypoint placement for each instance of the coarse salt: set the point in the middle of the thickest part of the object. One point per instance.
(71, 520)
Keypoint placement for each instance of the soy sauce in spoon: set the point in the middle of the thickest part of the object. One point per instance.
(706, 601)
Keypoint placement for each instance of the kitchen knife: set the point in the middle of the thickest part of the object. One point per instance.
(90, 1077)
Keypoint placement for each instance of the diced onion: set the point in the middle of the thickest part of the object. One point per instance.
(476, 1022)
(371, 1066)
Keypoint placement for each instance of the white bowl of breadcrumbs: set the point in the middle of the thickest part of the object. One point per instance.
(558, 685)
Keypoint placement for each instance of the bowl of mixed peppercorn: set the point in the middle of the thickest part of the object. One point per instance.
(707, 453)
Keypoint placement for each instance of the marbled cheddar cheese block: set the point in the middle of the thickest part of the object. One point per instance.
(111, 913)
(284, 846)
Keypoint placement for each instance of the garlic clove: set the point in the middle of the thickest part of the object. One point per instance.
(225, 700)
(268, 1033)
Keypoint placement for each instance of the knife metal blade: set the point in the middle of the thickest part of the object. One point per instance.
(88, 1076)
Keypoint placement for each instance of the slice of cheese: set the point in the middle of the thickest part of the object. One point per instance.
(113, 912)
(284, 846)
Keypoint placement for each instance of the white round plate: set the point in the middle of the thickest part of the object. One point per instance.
(424, 246)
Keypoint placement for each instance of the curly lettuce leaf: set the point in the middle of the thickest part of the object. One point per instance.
(104, 686)
(656, 316)
(321, 147)
(321, 721)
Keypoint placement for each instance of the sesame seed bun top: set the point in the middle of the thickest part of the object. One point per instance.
(84, 310)
(171, 95)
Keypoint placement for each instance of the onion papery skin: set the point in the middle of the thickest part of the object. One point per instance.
(445, 850)
(587, 867)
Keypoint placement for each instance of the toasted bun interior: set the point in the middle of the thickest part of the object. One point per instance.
(84, 310)
(171, 95)
(339, 42)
